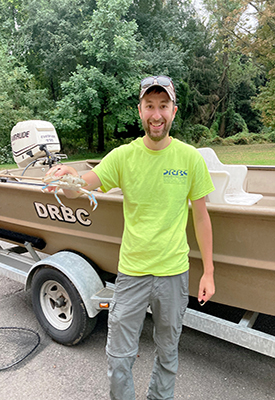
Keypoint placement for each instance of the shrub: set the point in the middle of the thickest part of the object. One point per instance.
(271, 137)
(6, 156)
(199, 133)
(214, 129)
(245, 138)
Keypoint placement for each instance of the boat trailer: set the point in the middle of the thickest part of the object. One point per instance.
(20, 263)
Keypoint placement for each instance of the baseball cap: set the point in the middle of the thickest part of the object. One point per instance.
(163, 81)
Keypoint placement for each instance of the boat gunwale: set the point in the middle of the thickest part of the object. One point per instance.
(257, 210)
(36, 187)
(261, 167)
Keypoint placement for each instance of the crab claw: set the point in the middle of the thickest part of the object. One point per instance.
(73, 185)
(57, 198)
(52, 184)
(91, 197)
(93, 201)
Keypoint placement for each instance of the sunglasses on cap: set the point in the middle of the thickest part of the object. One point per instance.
(151, 80)
(164, 81)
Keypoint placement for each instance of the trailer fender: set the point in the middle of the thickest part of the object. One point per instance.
(78, 271)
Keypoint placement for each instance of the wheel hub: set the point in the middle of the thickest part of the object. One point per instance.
(60, 302)
(56, 305)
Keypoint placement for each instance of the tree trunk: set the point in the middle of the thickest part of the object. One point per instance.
(90, 126)
(224, 94)
(222, 124)
(100, 143)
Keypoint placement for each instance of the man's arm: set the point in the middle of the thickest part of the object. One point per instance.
(203, 232)
(90, 177)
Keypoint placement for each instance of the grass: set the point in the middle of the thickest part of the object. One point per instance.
(250, 154)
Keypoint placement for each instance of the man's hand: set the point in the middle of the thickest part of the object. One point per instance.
(60, 170)
(92, 180)
(206, 288)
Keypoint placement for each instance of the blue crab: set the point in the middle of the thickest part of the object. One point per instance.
(69, 182)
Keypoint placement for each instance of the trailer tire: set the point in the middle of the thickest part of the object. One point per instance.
(59, 308)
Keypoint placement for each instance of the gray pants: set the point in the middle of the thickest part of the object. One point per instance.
(168, 298)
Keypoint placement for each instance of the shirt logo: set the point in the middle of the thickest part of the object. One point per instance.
(175, 176)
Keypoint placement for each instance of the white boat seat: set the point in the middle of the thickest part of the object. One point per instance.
(228, 181)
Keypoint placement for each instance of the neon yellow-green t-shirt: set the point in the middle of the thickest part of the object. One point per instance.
(156, 186)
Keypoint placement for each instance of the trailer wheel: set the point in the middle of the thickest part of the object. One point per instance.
(59, 307)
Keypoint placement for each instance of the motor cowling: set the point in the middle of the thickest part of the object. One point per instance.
(31, 140)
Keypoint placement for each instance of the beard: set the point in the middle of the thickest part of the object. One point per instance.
(157, 136)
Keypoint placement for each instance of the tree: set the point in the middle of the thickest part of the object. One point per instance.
(253, 30)
(12, 15)
(221, 24)
(88, 57)
(106, 91)
(265, 103)
(170, 33)
(177, 44)
(203, 83)
(51, 40)
(237, 77)
(260, 44)
(20, 98)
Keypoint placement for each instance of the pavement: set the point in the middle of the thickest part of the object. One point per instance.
(209, 368)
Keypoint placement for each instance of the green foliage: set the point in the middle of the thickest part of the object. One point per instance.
(241, 138)
(245, 79)
(198, 133)
(270, 136)
(19, 98)
(183, 99)
(6, 155)
(170, 36)
(78, 63)
(234, 122)
(214, 129)
(104, 93)
(112, 41)
(244, 138)
(71, 143)
(51, 40)
(265, 103)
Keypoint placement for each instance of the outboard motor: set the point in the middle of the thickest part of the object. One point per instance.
(33, 141)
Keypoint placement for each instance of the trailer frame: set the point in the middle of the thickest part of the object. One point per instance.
(18, 262)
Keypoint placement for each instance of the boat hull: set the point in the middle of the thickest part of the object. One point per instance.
(244, 250)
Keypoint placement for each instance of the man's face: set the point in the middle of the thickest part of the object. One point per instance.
(157, 113)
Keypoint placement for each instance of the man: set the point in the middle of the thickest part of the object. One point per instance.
(158, 176)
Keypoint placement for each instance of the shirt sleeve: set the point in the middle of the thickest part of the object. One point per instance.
(108, 171)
